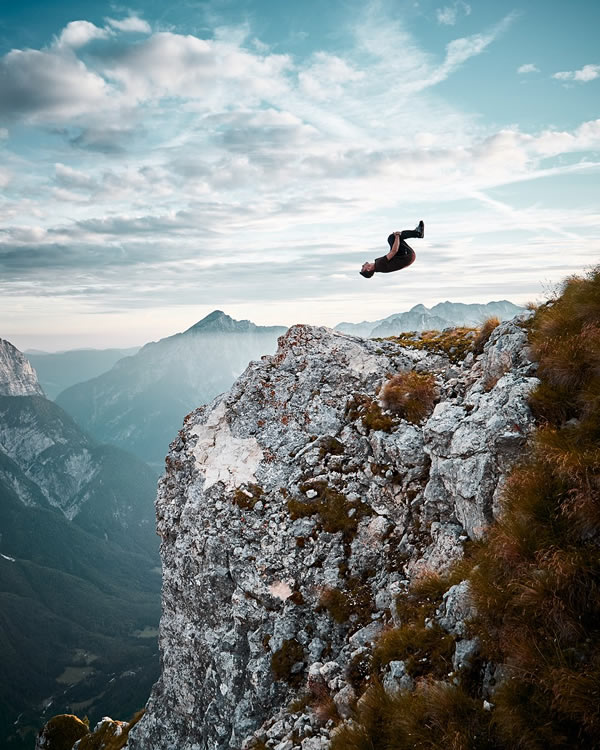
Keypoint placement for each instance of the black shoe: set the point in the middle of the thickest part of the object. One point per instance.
(420, 229)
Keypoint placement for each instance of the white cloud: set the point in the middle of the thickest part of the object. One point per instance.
(73, 178)
(78, 33)
(132, 23)
(168, 64)
(5, 177)
(326, 76)
(528, 68)
(448, 15)
(45, 84)
(583, 75)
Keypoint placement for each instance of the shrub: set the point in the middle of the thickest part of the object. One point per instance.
(359, 671)
(484, 333)
(425, 650)
(411, 395)
(435, 716)
(62, 732)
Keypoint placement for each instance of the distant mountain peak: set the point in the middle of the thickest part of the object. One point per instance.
(218, 321)
(17, 376)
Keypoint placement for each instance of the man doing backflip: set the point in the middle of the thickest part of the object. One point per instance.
(400, 255)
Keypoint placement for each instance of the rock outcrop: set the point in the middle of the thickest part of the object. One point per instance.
(294, 511)
(17, 376)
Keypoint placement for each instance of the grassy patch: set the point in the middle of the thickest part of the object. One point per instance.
(363, 407)
(454, 343)
(247, 496)
(411, 395)
(536, 581)
(434, 717)
(336, 513)
(330, 446)
(283, 661)
(353, 600)
(426, 650)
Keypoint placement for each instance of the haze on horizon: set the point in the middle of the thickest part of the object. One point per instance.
(247, 155)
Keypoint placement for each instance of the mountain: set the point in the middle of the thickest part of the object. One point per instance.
(440, 316)
(376, 544)
(140, 403)
(57, 371)
(294, 512)
(78, 563)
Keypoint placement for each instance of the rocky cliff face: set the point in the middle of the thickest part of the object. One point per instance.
(294, 491)
(17, 376)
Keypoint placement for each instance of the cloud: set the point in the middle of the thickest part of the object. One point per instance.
(132, 24)
(528, 68)
(72, 178)
(583, 75)
(78, 33)
(38, 85)
(5, 177)
(326, 76)
(447, 16)
(216, 73)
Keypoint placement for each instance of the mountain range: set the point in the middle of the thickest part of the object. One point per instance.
(79, 562)
(440, 316)
(59, 370)
(140, 403)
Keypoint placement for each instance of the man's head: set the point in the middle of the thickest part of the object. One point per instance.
(367, 270)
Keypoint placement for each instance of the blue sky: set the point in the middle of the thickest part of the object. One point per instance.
(163, 160)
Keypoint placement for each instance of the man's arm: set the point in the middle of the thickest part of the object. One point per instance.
(395, 246)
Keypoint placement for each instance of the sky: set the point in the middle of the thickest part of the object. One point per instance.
(162, 160)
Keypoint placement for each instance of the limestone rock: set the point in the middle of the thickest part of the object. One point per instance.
(285, 488)
(17, 376)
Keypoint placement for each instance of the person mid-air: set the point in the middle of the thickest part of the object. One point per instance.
(400, 255)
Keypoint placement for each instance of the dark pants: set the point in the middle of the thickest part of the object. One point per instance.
(404, 247)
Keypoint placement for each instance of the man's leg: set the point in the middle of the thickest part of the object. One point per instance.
(419, 231)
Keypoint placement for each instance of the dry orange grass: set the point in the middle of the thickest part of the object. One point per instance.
(484, 334)
(411, 395)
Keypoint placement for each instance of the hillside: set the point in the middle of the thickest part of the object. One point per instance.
(79, 569)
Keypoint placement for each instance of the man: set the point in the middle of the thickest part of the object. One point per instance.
(400, 255)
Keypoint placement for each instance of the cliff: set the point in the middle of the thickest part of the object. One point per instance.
(295, 513)
(17, 376)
